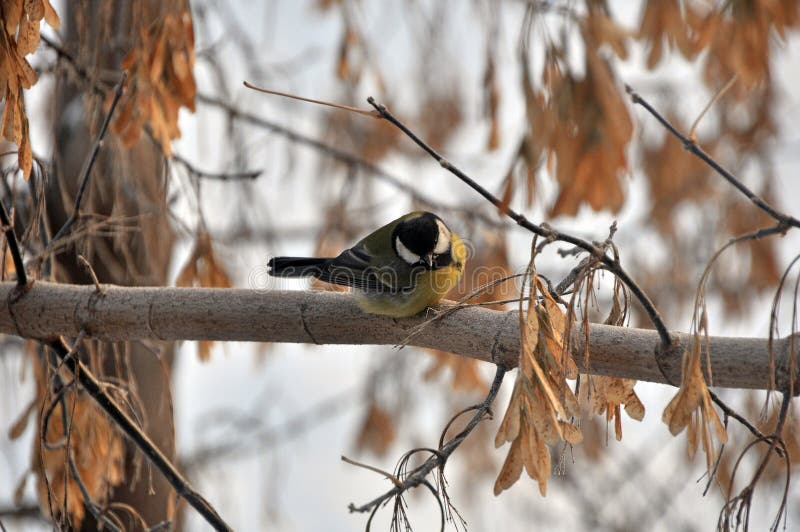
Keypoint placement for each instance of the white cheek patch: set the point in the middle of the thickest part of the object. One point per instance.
(443, 241)
(405, 253)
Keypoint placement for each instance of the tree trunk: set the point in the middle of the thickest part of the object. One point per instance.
(125, 183)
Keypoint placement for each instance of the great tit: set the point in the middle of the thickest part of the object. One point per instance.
(399, 270)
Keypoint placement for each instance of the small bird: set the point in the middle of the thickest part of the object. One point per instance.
(398, 270)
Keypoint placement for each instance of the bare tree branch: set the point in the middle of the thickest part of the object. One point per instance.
(121, 313)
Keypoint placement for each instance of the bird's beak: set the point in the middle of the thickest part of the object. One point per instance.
(428, 259)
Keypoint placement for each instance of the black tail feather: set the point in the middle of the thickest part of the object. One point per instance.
(296, 266)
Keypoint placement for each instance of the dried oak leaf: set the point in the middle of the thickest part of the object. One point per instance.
(160, 80)
(19, 36)
(202, 268)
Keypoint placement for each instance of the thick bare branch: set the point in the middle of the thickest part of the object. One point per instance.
(121, 313)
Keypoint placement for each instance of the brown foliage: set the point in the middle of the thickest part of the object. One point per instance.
(674, 176)
(96, 447)
(160, 80)
(377, 431)
(583, 126)
(19, 37)
(542, 402)
(738, 39)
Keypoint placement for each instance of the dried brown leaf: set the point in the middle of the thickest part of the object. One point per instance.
(509, 427)
(491, 97)
(160, 80)
(511, 470)
(692, 408)
(663, 21)
(19, 36)
(377, 431)
(98, 451)
(600, 29)
(541, 400)
(464, 371)
(50, 15)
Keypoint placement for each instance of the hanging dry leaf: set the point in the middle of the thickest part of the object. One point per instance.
(19, 426)
(377, 431)
(607, 394)
(540, 125)
(203, 269)
(685, 178)
(96, 446)
(738, 36)
(586, 148)
(372, 140)
(541, 401)
(491, 97)
(600, 29)
(757, 258)
(160, 79)
(19, 36)
(692, 408)
(663, 22)
(464, 371)
(512, 468)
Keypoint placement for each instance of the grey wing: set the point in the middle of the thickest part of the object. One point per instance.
(353, 267)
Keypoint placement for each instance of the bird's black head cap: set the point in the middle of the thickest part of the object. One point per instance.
(424, 240)
(419, 234)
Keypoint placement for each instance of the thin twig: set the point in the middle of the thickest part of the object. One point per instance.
(217, 176)
(340, 156)
(13, 246)
(396, 481)
(96, 390)
(785, 220)
(439, 457)
(365, 112)
(709, 105)
(92, 273)
(730, 412)
(90, 160)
